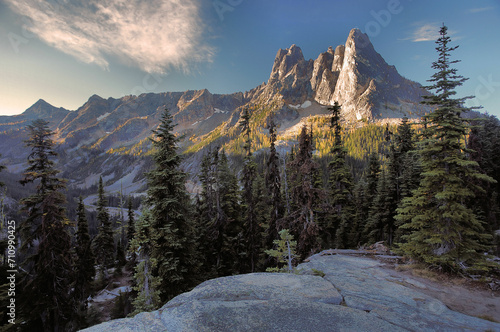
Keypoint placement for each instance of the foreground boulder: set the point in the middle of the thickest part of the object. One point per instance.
(355, 294)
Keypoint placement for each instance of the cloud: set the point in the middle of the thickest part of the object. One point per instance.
(426, 32)
(479, 10)
(152, 35)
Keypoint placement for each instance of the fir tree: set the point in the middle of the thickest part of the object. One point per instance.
(302, 221)
(233, 244)
(379, 226)
(253, 233)
(443, 230)
(103, 244)
(219, 216)
(340, 181)
(273, 183)
(146, 284)
(46, 302)
(484, 141)
(372, 180)
(131, 221)
(284, 252)
(174, 246)
(84, 264)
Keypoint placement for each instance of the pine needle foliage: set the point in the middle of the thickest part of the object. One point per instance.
(103, 244)
(47, 304)
(84, 263)
(444, 231)
(341, 186)
(174, 244)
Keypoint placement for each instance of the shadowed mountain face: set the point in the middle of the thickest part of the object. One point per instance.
(353, 74)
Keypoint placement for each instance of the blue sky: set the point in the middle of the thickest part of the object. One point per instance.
(64, 51)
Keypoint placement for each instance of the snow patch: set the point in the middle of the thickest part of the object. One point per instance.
(219, 110)
(106, 295)
(103, 116)
(305, 104)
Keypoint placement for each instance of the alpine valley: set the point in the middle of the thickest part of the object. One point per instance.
(109, 137)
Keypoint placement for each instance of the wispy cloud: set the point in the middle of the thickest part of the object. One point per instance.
(423, 32)
(153, 35)
(426, 32)
(479, 10)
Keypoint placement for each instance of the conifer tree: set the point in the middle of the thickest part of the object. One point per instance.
(84, 264)
(253, 233)
(443, 230)
(302, 221)
(406, 161)
(340, 181)
(233, 245)
(146, 284)
(131, 221)
(372, 179)
(379, 224)
(103, 243)
(273, 183)
(284, 252)
(174, 244)
(46, 303)
(484, 141)
(219, 215)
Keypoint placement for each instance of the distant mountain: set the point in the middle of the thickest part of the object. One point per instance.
(353, 74)
(39, 110)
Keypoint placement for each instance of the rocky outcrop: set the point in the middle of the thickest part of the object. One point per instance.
(369, 88)
(353, 74)
(355, 294)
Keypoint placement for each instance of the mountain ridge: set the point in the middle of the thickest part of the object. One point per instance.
(353, 74)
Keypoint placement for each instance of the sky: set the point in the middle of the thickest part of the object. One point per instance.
(64, 51)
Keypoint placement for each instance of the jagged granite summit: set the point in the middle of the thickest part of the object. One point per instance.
(353, 74)
(356, 294)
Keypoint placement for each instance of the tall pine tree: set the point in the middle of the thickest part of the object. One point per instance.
(131, 221)
(341, 186)
(273, 183)
(146, 283)
(253, 231)
(443, 230)
(219, 224)
(46, 301)
(84, 264)
(302, 221)
(103, 243)
(174, 245)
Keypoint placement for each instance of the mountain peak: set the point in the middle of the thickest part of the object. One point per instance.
(95, 97)
(359, 41)
(294, 55)
(38, 107)
(285, 61)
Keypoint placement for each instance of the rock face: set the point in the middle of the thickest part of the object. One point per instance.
(355, 294)
(353, 74)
